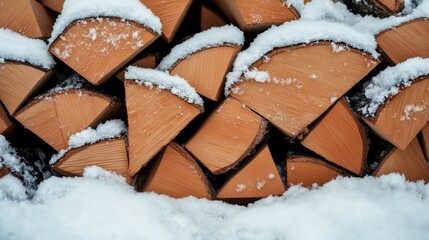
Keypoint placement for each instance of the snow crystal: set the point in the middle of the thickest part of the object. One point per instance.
(215, 36)
(16, 47)
(11, 188)
(240, 187)
(132, 10)
(72, 82)
(258, 76)
(271, 176)
(389, 82)
(162, 80)
(410, 109)
(108, 130)
(298, 32)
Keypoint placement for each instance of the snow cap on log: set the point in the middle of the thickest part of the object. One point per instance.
(108, 130)
(132, 10)
(175, 84)
(294, 33)
(16, 47)
(215, 36)
(389, 83)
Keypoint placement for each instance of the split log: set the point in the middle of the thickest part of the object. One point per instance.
(340, 138)
(425, 140)
(109, 154)
(227, 136)
(54, 5)
(377, 8)
(405, 41)
(409, 162)
(96, 48)
(55, 116)
(148, 61)
(4, 171)
(210, 18)
(308, 171)
(259, 178)
(257, 15)
(6, 125)
(177, 174)
(27, 17)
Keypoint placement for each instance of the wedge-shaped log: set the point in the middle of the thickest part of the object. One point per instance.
(27, 17)
(96, 48)
(339, 137)
(258, 14)
(210, 18)
(177, 174)
(6, 124)
(148, 61)
(110, 154)
(303, 82)
(4, 171)
(405, 41)
(425, 140)
(54, 5)
(378, 8)
(308, 171)
(409, 162)
(227, 136)
(259, 178)
(55, 116)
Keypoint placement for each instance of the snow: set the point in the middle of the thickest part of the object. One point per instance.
(102, 206)
(389, 82)
(11, 188)
(294, 33)
(213, 37)
(72, 82)
(177, 85)
(16, 47)
(108, 130)
(132, 10)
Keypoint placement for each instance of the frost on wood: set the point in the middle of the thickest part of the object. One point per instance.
(175, 84)
(215, 36)
(132, 10)
(389, 82)
(108, 130)
(16, 47)
(72, 82)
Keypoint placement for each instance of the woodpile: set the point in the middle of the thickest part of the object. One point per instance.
(206, 109)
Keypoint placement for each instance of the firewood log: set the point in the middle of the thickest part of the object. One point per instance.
(54, 5)
(377, 8)
(210, 18)
(4, 171)
(425, 140)
(6, 125)
(148, 61)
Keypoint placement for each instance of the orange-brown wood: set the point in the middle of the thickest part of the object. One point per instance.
(258, 14)
(108, 154)
(308, 171)
(155, 117)
(305, 82)
(177, 174)
(409, 162)
(55, 117)
(18, 82)
(55, 5)
(171, 14)
(227, 136)
(210, 18)
(97, 48)
(425, 140)
(27, 17)
(206, 70)
(4, 171)
(401, 118)
(148, 61)
(392, 6)
(257, 179)
(405, 41)
(340, 138)
(5, 123)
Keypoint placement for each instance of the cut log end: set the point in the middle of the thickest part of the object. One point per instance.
(210, 18)
(4, 171)
(425, 140)
(55, 5)
(6, 124)
(148, 61)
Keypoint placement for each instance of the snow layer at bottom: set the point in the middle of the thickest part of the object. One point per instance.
(102, 206)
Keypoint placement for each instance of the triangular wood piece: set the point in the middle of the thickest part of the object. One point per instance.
(295, 96)
(148, 61)
(405, 41)
(28, 17)
(401, 118)
(198, 69)
(339, 137)
(155, 117)
(425, 140)
(308, 171)
(18, 82)
(409, 162)
(227, 136)
(257, 179)
(177, 174)
(171, 14)
(210, 18)
(54, 117)
(109, 154)
(4, 171)
(97, 48)
(6, 124)
(257, 15)
(55, 5)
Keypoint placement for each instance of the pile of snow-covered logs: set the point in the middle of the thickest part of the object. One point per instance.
(177, 100)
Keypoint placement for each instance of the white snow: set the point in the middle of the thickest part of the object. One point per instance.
(177, 85)
(102, 206)
(298, 32)
(132, 10)
(108, 130)
(72, 82)
(16, 47)
(389, 82)
(11, 188)
(215, 36)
